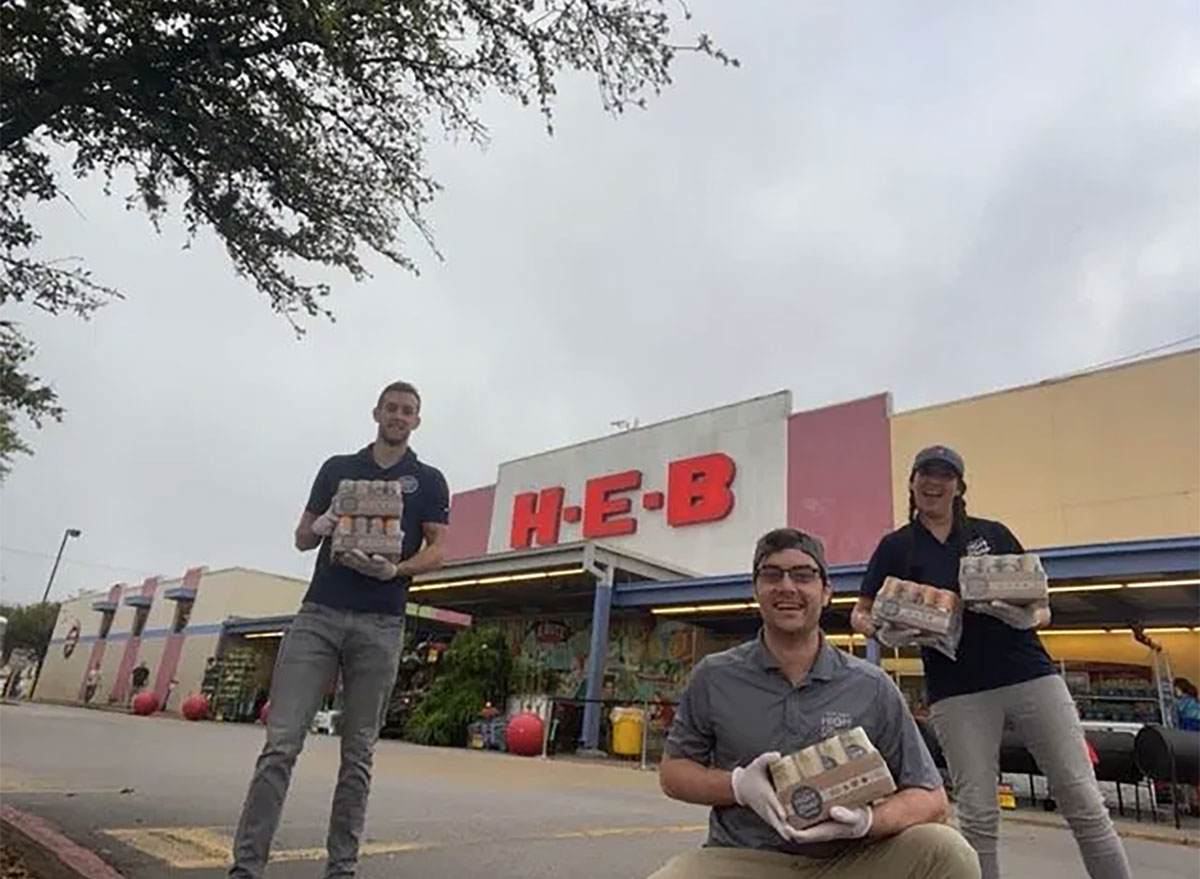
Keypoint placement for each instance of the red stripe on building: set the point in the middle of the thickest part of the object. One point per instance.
(840, 476)
(96, 656)
(173, 649)
(470, 523)
(120, 690)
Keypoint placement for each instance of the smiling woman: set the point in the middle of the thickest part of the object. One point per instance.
(1001, 674)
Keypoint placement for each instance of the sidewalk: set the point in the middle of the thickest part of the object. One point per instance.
(1163, 831)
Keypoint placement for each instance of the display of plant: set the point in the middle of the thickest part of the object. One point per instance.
(475, 670)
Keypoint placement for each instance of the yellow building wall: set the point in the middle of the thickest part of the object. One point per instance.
(190, 673)
(221, 595)
(245, 593)
(61, 676)
(1110, 455)
(1183, 649)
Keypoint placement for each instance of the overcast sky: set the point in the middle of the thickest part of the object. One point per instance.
(936, 199)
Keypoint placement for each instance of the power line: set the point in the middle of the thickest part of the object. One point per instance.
(1116, 361)
(67, 560)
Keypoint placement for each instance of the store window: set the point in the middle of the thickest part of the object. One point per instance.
(105, 624)
(139, 620)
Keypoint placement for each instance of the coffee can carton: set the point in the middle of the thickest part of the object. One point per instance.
(832, 753)
(378, 498)
(916, 606)
(855, 743)
(1017, 579)
(857, 780)
(785, 772)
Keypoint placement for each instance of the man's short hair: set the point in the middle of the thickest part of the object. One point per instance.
(401, 387)
(790, 538)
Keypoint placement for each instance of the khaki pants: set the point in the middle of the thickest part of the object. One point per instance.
(927, 851)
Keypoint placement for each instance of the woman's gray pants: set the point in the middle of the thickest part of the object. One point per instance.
(1043, 713)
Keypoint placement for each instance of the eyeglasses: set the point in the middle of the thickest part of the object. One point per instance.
(801, 575)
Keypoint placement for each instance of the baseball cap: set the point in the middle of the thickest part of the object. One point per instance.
(943, 454)
(790, 538)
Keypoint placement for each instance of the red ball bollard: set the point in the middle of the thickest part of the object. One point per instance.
(523, 735)
(145, 703)
(195, 707)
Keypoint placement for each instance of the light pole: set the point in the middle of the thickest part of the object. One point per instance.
(70, 532)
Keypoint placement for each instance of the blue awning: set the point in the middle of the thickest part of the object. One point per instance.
(257, 625)
(105, 606)
(1102, 561)
(180, 593)
(138, 600)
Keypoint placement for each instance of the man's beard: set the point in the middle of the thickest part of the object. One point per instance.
(390, 441)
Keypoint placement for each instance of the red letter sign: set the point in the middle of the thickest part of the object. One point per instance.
(604, 516)
(535, 515)
(698, 489)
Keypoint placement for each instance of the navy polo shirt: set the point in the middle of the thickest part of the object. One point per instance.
(426, 499)
(991, 653)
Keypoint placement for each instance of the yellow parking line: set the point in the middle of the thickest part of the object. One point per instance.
(196, 848)
(181, 848)
(366, 850)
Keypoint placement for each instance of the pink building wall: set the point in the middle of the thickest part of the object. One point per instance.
(840, 476)
(470, 522)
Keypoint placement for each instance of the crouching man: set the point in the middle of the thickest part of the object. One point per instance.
(782, 692)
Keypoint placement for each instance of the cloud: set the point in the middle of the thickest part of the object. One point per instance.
(935, 199)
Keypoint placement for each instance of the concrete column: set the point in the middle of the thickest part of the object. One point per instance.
(874, 654)
(597, 657)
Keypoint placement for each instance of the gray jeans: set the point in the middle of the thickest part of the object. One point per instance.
(365, 648)
(1043, 713)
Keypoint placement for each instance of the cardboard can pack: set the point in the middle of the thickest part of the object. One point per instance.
(1017, 579)
(358, 497)
(852, 773)
(916, 606)
(369, 516)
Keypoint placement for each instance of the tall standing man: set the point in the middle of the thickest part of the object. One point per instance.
(352, 621)
(783, 691)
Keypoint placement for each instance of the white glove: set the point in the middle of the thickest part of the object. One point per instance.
(892, 635)
(372, 565)
(1029, 617)
(753, 789)
(862, 622)
(325, 524)
(843, 823)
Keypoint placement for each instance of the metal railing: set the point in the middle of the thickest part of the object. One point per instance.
(563, 725)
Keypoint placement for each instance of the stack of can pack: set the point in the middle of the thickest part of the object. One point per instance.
(916, 606)
(1016, 579)
(934, 614)
(369, 514)
(843, 770)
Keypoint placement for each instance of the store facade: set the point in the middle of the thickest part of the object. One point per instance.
(1098, 472)
(174, 633)
(614, 564)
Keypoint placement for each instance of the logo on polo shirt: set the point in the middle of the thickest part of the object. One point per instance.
(833, 722)
(979, 546)
(408, 484)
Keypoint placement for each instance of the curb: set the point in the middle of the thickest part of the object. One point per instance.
(49, 851)
(1123, 832)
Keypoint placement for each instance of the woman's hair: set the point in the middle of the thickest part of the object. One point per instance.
(1187, 686)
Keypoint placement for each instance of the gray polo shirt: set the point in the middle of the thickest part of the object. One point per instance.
(738, 704)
